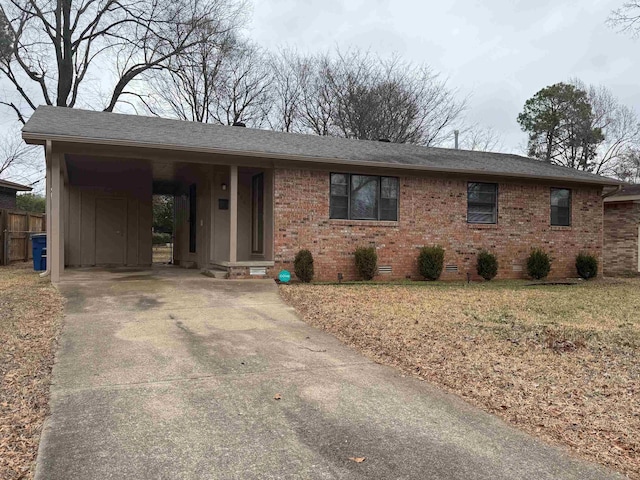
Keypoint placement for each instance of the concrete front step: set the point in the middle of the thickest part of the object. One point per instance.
(215, 273)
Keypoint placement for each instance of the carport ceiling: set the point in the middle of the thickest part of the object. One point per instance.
(83, 168)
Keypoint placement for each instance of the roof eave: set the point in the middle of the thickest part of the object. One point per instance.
(15, 186)
(622, 198)
(40, 139)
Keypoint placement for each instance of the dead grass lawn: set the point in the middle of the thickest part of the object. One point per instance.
(30, 313)
(561, 362)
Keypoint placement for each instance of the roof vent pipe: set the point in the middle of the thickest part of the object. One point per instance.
(239, 124)
(456, 133)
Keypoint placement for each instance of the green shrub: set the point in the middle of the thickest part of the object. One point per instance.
(586, 265)
(538, 264)
(161, 238)
(430, 262)
(366, 262)
(303, 266)
(487, 266)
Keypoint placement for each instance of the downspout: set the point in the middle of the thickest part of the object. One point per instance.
(47, 157)
(613, 192)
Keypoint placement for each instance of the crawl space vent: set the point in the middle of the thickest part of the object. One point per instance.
(451, 268)
(257, 270)
(382, 269)
(517, 268)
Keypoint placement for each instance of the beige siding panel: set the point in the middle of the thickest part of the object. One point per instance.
(132, 247)
(244, 216)
(111, 226)
(202, 240)
(268, 215)
(73, 255)
(129, 212)
(87, 245)
(221, 219)
(145, 222)
(181, 212)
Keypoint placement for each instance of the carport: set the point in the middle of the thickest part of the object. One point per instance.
(101, 176)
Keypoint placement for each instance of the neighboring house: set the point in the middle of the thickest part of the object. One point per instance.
(8, 192)
(622, 232)
(247, 200)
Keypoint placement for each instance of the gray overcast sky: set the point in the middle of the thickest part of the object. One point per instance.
(501, 52)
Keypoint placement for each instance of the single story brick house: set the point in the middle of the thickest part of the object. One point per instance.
(248, 200)
(8, 192)
(622, 232)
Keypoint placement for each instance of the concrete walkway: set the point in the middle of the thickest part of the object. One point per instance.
(172, 375)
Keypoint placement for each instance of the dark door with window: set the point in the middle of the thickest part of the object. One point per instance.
(257, 214)
(193, 222)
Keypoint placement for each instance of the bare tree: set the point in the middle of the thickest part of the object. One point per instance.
(55, 47)
(5, 37)
(479, 138)
(243, 93)
(290, 71)
(224, 83)
(19, 161)
(356, 95)
(318, 105)
(389, 99)
(627, 18)
(187, 88)
(628, 166)
(619, 124)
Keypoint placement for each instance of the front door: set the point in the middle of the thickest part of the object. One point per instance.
(111, 214)
(257, 214)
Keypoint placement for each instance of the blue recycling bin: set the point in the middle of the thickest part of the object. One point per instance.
(39, 243)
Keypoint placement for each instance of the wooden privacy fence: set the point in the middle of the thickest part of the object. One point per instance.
(15, 235)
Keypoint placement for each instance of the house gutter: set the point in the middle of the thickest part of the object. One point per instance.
(622, 198)
(614, 192)
(40, 139)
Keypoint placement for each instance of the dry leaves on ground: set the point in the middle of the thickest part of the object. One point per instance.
(30, 313)
(561, 362)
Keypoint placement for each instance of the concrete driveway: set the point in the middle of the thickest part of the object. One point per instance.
(172, 375)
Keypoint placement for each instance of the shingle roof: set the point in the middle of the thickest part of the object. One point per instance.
(14, 186)
(629, 190)
(625, 194)
(74, 125)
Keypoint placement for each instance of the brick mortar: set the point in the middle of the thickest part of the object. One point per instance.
(621, 220)
(431, 211)
(7, 199)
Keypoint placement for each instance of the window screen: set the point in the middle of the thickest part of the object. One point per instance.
(482, 202)
(561, 207)
(363, 197)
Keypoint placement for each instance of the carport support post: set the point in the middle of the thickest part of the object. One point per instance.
(56, 254)
(233, 214)
(47, 195)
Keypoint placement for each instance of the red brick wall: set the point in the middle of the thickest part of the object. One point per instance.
(7, 199)
(431, 211)
(621, 220)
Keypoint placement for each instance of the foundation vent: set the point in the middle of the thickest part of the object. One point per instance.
(451, 268)
(517, 268)
(384, 269)
(257, 270)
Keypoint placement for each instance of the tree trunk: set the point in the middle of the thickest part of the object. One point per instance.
(64, 53)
